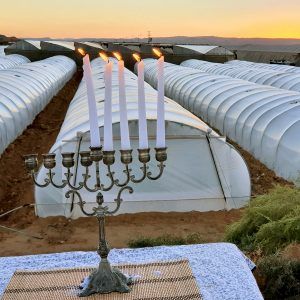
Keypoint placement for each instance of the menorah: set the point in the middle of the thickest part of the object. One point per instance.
(105, 279)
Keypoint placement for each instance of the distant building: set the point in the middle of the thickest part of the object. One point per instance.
(37, 50)
(289, 55)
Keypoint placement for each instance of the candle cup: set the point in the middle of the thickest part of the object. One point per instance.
(96, 154)
(109, 157)
(126, 156)
(68, 159)
(31, 161)
(49, 160)
(85, 158)
(144, 155)
(161, 154)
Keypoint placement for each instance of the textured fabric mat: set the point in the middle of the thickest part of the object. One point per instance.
(152, 281)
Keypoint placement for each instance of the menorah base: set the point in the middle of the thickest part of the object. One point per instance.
(105, 280)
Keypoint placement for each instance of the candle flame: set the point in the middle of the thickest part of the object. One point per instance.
(81, 51)
(136, 57)
(157, 52)
(117, 55)
(103, 56)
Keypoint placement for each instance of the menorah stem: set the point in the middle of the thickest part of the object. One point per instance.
(103, 248)
(105, 279)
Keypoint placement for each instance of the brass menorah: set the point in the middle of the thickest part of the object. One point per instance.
(105, 279)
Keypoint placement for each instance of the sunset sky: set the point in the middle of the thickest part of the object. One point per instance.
(133, 18)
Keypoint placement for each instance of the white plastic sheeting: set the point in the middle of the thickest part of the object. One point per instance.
(286, 81)
(205, 49)
(2, 53)
(274, 67)
(35, 43)
(263, 120)
(68, 45)
(26, 90)
(95, 45)
(12, 60)
(199, 176)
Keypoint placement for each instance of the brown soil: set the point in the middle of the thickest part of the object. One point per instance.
(59, 234)
(15, 184)
(262, 178)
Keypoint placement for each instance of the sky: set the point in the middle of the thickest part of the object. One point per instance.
(133, 18)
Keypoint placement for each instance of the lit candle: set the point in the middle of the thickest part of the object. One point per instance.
(108, 134)
(125, 141)
(94, 127)
(143, 133)
(160, 127)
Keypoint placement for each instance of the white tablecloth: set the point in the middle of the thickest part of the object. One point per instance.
(221, 270)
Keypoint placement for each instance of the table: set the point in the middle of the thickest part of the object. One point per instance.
(221, 270)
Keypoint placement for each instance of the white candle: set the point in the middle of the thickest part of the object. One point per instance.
(160, 127)
(108, 134)
(125, 141)
(143, 133)
(94, 127)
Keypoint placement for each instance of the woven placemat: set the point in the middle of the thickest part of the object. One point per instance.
(170, 280)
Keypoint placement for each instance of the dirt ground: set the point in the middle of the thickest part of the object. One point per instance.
(58, 234)
(61, 235)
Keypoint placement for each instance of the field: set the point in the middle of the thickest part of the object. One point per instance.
(59, 234)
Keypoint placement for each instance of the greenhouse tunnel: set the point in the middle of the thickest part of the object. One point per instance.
(282, 80)
(25, 91)
(274, 67)
(12, 60)
(203, 172)
(263, 120)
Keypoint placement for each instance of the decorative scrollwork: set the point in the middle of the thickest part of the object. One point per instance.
(100, 210)
(161, 167)
(41, 185)
(127, 171)
(144, 169)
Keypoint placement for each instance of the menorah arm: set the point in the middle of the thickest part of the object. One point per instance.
(42, 185)
(161, 167)
(127, 172)
(86, 176)
(110, 174)
(144, 174)
(51, 176)
(119, 200)
(68, 181)
(81, 202)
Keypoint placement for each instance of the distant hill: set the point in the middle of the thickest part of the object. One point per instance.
(4, 40)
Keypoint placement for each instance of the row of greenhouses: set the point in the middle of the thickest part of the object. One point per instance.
(264, 76)
(274, 67)
(12, 60)
(203, 172)
(262, 119)
(25, 90)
